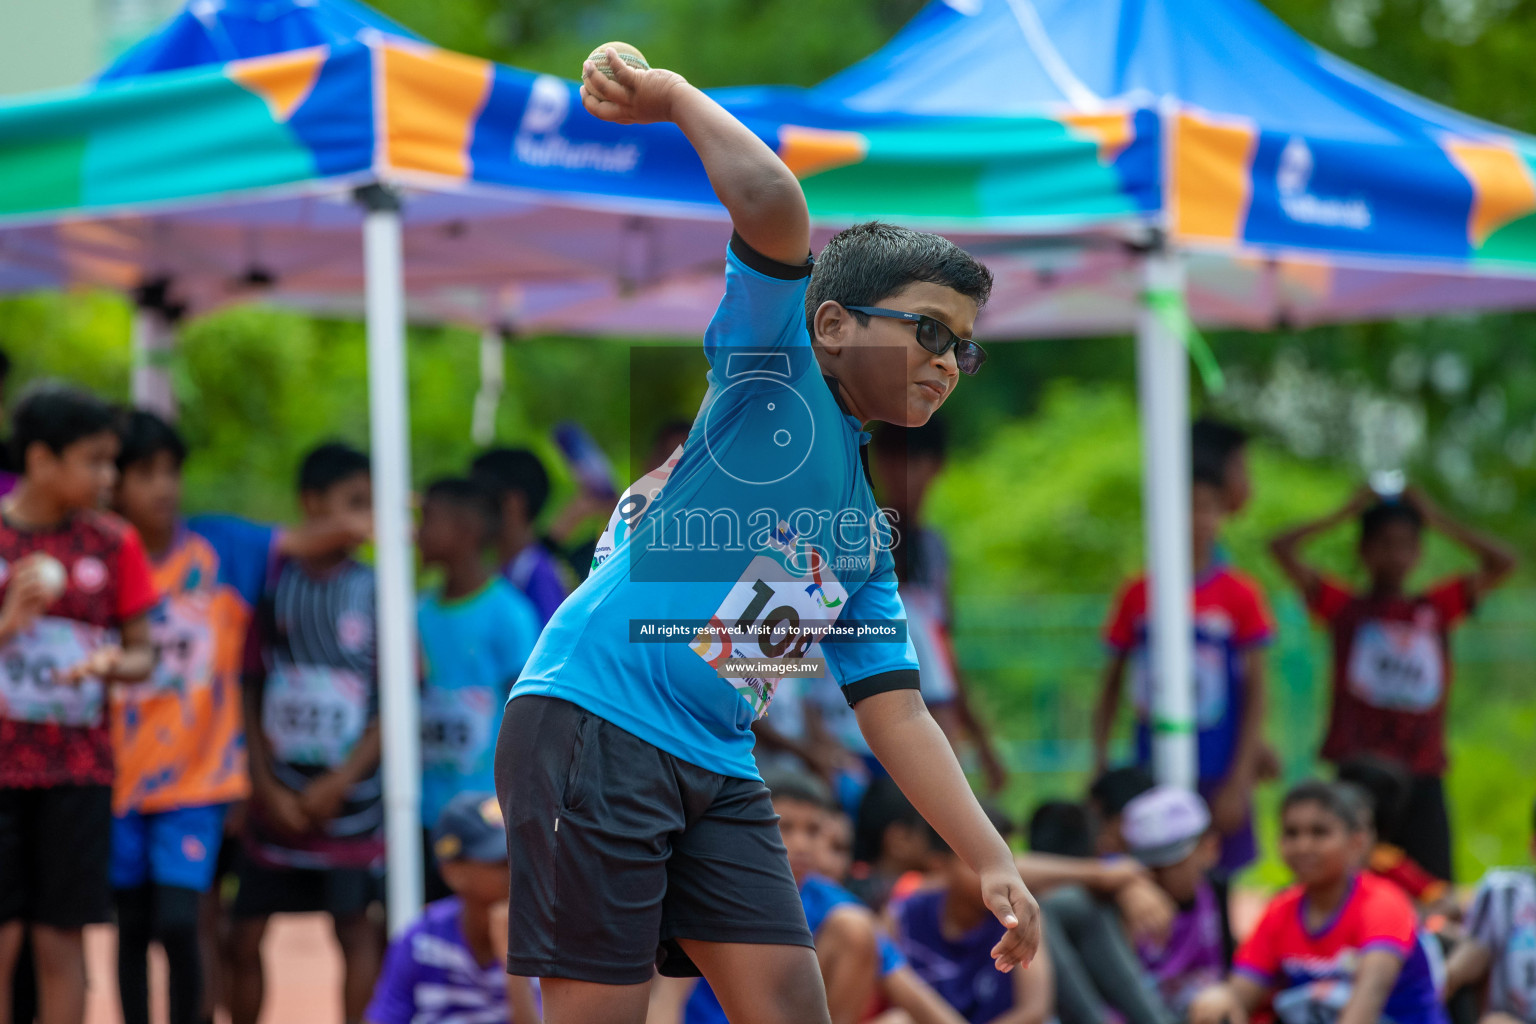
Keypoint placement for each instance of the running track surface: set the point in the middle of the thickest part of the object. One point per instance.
(304, 969)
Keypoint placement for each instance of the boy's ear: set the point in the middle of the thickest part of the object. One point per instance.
(831, 324)
(37, 456)
(309, 503)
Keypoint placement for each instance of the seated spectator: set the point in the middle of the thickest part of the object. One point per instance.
(947, 933)
(1168, 830)
(1340, 945)
(890, 845)
(449, 965)
(1063, 828)
(847, 945)
(1498, 954)
(1107, 797)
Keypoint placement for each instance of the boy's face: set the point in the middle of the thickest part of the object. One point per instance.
(1206, 508)
(350, 498)
(801, 824)
(1182, 880)
(836, 847)
(1390, 554)
(447, 531)
(1317, 846)
(1238, 489)
(477, 881)
(81, 476)
(149, 493)
(890, 376)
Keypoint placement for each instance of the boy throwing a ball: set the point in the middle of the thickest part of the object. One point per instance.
(639, 832)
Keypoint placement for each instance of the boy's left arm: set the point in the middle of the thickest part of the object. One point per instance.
(1374, 978)
(1496, 560)
(913, 749)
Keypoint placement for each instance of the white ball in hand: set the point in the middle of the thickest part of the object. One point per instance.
(50, 572)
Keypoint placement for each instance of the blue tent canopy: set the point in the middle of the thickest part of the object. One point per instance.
(217, 31)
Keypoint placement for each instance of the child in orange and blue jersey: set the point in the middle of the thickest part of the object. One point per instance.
(177, 737)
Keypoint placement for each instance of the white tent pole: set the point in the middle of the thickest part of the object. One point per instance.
(1162, 370)
(153, 339)
(389, 422)
(493, 348)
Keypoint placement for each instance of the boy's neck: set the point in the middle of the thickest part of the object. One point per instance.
(475, 926)
(960, 913)
(1203, 560)
(514, 538)
(1381, 588)
(326, 562)
(1324, 900)
(157, 539)
(27, 506)
(463, 577)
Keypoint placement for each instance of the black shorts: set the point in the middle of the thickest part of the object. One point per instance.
(340, 892)
(618, 849)
(55, 854)
(1425, 831)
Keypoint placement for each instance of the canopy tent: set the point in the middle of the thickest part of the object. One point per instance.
(1092, 151)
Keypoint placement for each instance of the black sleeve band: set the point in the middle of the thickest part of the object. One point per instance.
(899, 679)
(767, 267)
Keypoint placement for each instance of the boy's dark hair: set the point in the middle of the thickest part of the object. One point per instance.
(143, 436)
(1061, 827)
(470, 495)
(1332, 798)
(328, 465)
(56, 416)
(509, 470)
(1000, 820)
(1203, 475)
(1118, 787)
(801, 786)
(5, 366)
(930, 440)
(883, 805)
(1212, 443)
(869, 262)
(1382, 514)
(1386, 785)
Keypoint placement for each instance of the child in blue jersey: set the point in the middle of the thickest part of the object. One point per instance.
(520, 483)
(476, 631)
(639, 831)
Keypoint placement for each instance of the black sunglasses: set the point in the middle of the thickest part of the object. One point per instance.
(935, 336)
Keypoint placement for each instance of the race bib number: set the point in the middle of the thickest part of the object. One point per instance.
(30, 666)
(632, 506)
(1397, 666)
(184, 642)
(313, 714)
(771, 613)
(1317, 1002)
(456, 728)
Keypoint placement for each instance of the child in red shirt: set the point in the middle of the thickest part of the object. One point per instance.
(70, 578)
(1391, 651)
(1341, 946)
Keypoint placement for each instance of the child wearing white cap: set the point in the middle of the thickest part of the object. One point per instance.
(1168, 830)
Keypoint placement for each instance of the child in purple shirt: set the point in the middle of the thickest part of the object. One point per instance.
(1169, 831)
(450, 964)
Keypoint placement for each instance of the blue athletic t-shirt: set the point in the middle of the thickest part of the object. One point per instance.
(763, 539)
(472, 648)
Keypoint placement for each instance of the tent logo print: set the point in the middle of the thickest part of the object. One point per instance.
(539, 142)
(1292, 180)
